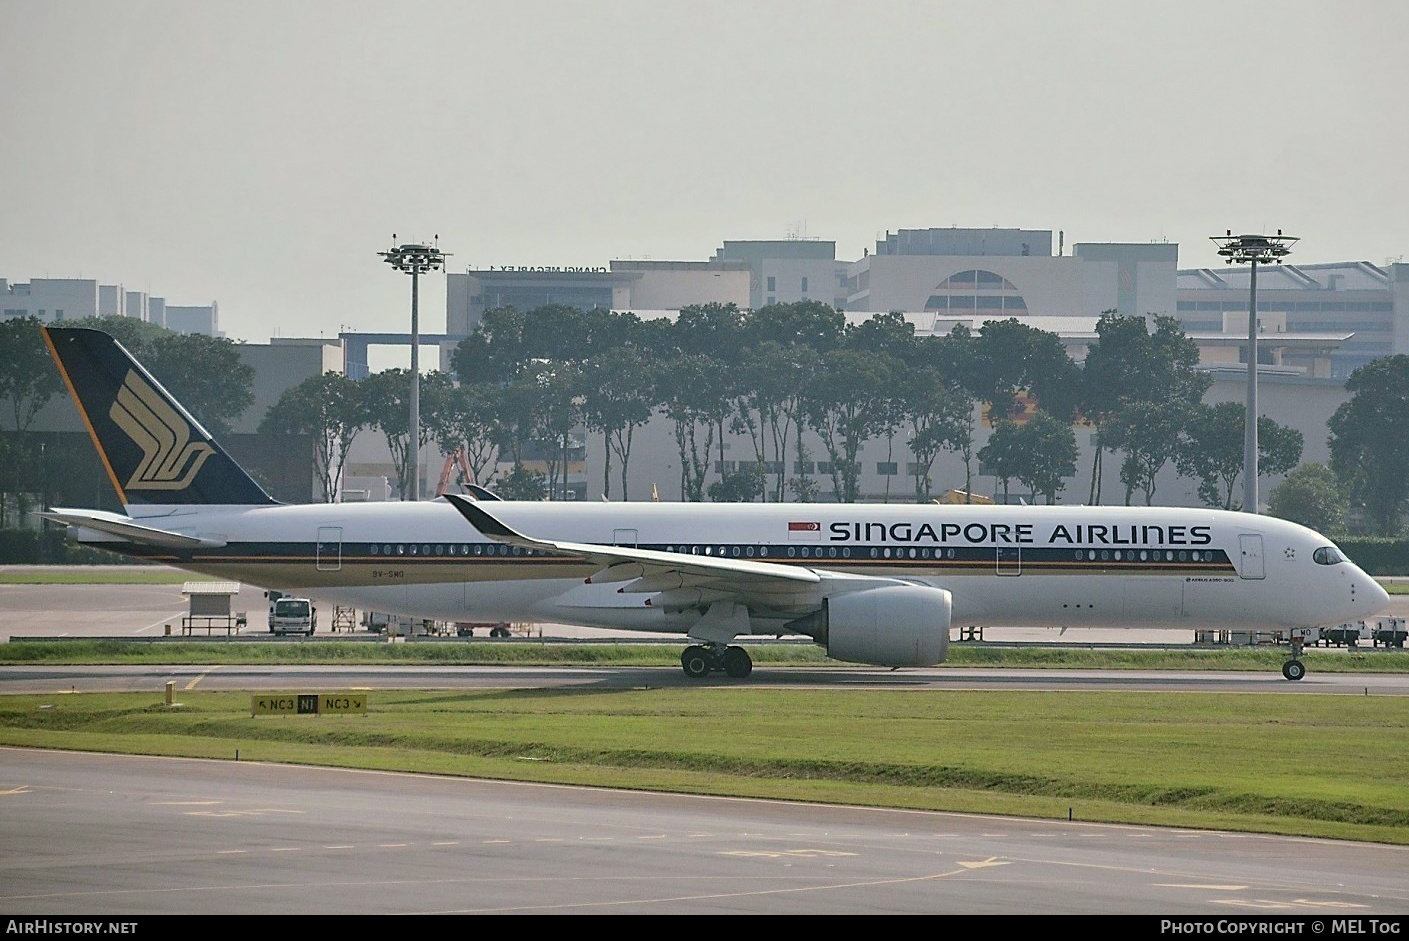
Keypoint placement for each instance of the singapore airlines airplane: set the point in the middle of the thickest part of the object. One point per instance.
(872, 584)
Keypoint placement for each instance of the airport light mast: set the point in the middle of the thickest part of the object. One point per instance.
(415, 259)
(1254, 250)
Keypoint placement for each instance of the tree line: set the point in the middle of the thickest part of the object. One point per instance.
(527, 381)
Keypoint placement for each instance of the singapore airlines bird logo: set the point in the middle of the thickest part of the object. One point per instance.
(170, 460)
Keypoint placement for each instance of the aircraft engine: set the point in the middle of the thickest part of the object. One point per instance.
(894, 626)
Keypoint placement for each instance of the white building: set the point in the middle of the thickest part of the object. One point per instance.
(1011, 272)
(1351, 296)
(53, 300)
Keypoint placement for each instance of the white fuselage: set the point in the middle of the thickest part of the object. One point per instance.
(1005, 566)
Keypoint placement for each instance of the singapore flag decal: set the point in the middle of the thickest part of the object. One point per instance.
(804, 532)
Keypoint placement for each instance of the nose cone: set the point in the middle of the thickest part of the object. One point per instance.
(1376, 598)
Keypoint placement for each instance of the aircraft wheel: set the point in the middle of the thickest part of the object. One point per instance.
(737, 662)
(695, 662)
(1293, 669)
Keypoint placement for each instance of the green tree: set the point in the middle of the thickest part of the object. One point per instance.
(1212, 450)
(809, 324)
(781, 349)
(847, 406)
(1048, 455)
(557, 412)
(495, 352)
(715, 330)
(1153, 372)
(741, 486)
(1009, 357)
(28, 379)
(694, 392)
(467, 420)
(802, 486)
(331, 410)
(1370, 441)
(388, 401)
(941, 417)
(205, 374)
(1038, 453)
(891, 335)
(1311, 495)
(1003, 455)
(1150, 434)
(520, 483)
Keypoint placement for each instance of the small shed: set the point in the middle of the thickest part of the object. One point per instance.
(210, 607)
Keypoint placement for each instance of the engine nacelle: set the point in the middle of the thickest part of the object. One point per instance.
(894, 626)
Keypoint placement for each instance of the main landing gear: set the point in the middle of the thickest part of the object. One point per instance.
(1294, 669)
(701, 660)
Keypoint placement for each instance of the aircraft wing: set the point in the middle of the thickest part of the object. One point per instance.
(123, 527)
(675, 580)
(625, 562)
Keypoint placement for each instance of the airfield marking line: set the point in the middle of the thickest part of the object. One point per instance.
(166, 620)
(721, 895)
(196, 679)
(185, 803)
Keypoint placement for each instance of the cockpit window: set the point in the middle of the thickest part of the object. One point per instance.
(1327, 555)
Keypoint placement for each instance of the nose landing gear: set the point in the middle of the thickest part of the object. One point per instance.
(699, 660)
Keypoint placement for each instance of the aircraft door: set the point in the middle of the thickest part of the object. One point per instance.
(329, 549)
(1250, 563)
(624, 537)
(1010, 560)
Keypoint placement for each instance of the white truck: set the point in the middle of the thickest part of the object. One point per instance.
(292, 615)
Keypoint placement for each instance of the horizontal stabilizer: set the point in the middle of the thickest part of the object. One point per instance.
(124, 528)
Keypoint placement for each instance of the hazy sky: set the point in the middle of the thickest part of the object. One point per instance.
(259, 154)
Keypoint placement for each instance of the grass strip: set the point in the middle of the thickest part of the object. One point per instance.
(1264, 763)
(539, 653)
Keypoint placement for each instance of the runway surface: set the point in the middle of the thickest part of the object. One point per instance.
(122, 835)
(48, 678)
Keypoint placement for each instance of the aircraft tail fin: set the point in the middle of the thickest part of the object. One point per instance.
(154, 451)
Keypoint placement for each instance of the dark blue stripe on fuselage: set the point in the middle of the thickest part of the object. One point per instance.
(1056, 558)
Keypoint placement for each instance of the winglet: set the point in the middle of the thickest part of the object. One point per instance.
(482, 493)
(482, 521)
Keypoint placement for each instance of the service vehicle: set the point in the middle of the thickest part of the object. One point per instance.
(292, 616)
